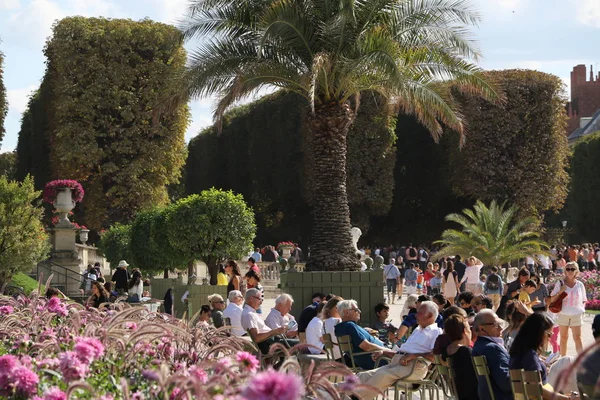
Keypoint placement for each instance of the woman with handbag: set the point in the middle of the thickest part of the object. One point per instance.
(568, 301)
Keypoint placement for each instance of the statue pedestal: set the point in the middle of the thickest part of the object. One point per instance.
(64, 260)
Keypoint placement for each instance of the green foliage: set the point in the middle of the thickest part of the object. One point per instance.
(23, 240)
(493, 234)
(3, 101)
(102, 81)
(150, 247)
(114, 244)
(585, 194)
(8, 164)
(211, 226)
(516, 151)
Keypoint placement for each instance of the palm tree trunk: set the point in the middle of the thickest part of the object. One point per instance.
(331, 248)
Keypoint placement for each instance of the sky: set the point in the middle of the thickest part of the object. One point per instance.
(546, 35)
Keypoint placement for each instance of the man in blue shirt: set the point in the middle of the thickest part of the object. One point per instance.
(489, 344)
(256, 255)
(361, 339)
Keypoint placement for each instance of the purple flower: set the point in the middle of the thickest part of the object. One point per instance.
(5, 310)
(7, 363)
(273, 385)
(247, 360)
(48, 363)
(71, 366)
(24, 380)
(349, 384)
(151, 375)
(53, 393)
(88, 349)
(56, 306)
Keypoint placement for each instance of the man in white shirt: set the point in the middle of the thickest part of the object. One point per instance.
(419, 344)
(545, 263)
(280, 315)
(260, 333)
(233, 311)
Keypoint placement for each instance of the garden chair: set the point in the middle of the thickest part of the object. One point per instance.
(588, 392)
(482, 369)
(227, 321)
(526, 385)
(446, 378)
(427, 385)
(346, 348)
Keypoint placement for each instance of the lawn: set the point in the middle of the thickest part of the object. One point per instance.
(26, 282)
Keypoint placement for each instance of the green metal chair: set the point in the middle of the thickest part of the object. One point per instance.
(482, 369)
(346, 347)
(588, 392)
(526, 385)
(427, 385)
(446, 378)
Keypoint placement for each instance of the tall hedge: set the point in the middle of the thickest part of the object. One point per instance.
(3, 101)
(516, 151)
(102, 81)
(585, 194)
(261, 153)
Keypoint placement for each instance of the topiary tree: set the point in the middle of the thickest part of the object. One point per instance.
(585, 194)
(23, 240)
(150, 248)
(95, 107)
(493, 234)
(516, 151)
(114, 244)
(3, 101)
(8, 163)
(211, 226)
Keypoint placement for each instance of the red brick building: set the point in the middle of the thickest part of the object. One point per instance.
(585, 96)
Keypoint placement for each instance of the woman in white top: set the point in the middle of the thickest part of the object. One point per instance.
(471, 276)
(573, 307)
(314, 331)
(136, 287)
(331, 317)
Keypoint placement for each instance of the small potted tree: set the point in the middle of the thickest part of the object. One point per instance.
(63, 194)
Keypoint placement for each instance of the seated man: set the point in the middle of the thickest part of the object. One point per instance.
(464, 301)
(309, 312)
(233, 311)
(387, 331)
(260, 333)
(489, 343)
(481, 302)
(280, 316)
(419, 344)
(361, 339)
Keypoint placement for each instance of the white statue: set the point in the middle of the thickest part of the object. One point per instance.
(356, 233)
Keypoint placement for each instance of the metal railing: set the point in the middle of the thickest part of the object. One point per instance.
(63, 277)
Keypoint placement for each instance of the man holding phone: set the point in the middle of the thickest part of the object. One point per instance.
(280, 316)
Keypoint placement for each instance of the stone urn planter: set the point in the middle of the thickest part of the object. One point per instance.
(64, 204)
(63, 194)
(286, 251)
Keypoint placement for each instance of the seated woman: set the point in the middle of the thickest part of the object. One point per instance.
(99, 295)
(331, 317)
(204, 318)
(515, 320)
(314, 331)
(525, 351)
(253, 282)
(457, 328)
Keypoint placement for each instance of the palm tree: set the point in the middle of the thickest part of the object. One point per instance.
(495, 235)
(329, 52)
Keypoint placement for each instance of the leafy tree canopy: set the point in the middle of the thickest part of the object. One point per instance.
(114, 244)
(585, 194)
(515, 151)
(493, 234)
(8, 163)
(211, 226)
(23, 240)
(95, 107)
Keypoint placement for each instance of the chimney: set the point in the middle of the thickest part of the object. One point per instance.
(591, 73)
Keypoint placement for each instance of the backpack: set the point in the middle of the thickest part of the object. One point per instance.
(412, 252)
(424, 255)
(493, 282)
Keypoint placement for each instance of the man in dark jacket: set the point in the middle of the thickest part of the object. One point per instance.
(489, 343)
(121, 277)
(310, 311)
(460, 268)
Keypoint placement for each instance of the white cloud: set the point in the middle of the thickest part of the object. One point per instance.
(32, 23)
(588, 12)
(9, 4)
(170, 11)
(18, 99)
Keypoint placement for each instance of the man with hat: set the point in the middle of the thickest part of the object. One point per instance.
(121, 277)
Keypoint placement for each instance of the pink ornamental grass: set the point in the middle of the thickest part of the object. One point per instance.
(274, 385)
(247, 360)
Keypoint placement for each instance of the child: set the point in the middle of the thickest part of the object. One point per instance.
(528, 288)
(436, 283)
(420, 280)
(482, 280)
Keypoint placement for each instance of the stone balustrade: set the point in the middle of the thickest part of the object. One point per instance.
(91, 255)
(272, 270)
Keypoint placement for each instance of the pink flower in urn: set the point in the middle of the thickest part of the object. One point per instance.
(274, 385)
(53, 393)
(71, 367)
(247, 360)
(5, 310)
(24, 381)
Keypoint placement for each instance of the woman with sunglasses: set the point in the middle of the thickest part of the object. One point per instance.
(525, 351)
(217, 305)
(573, 307)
